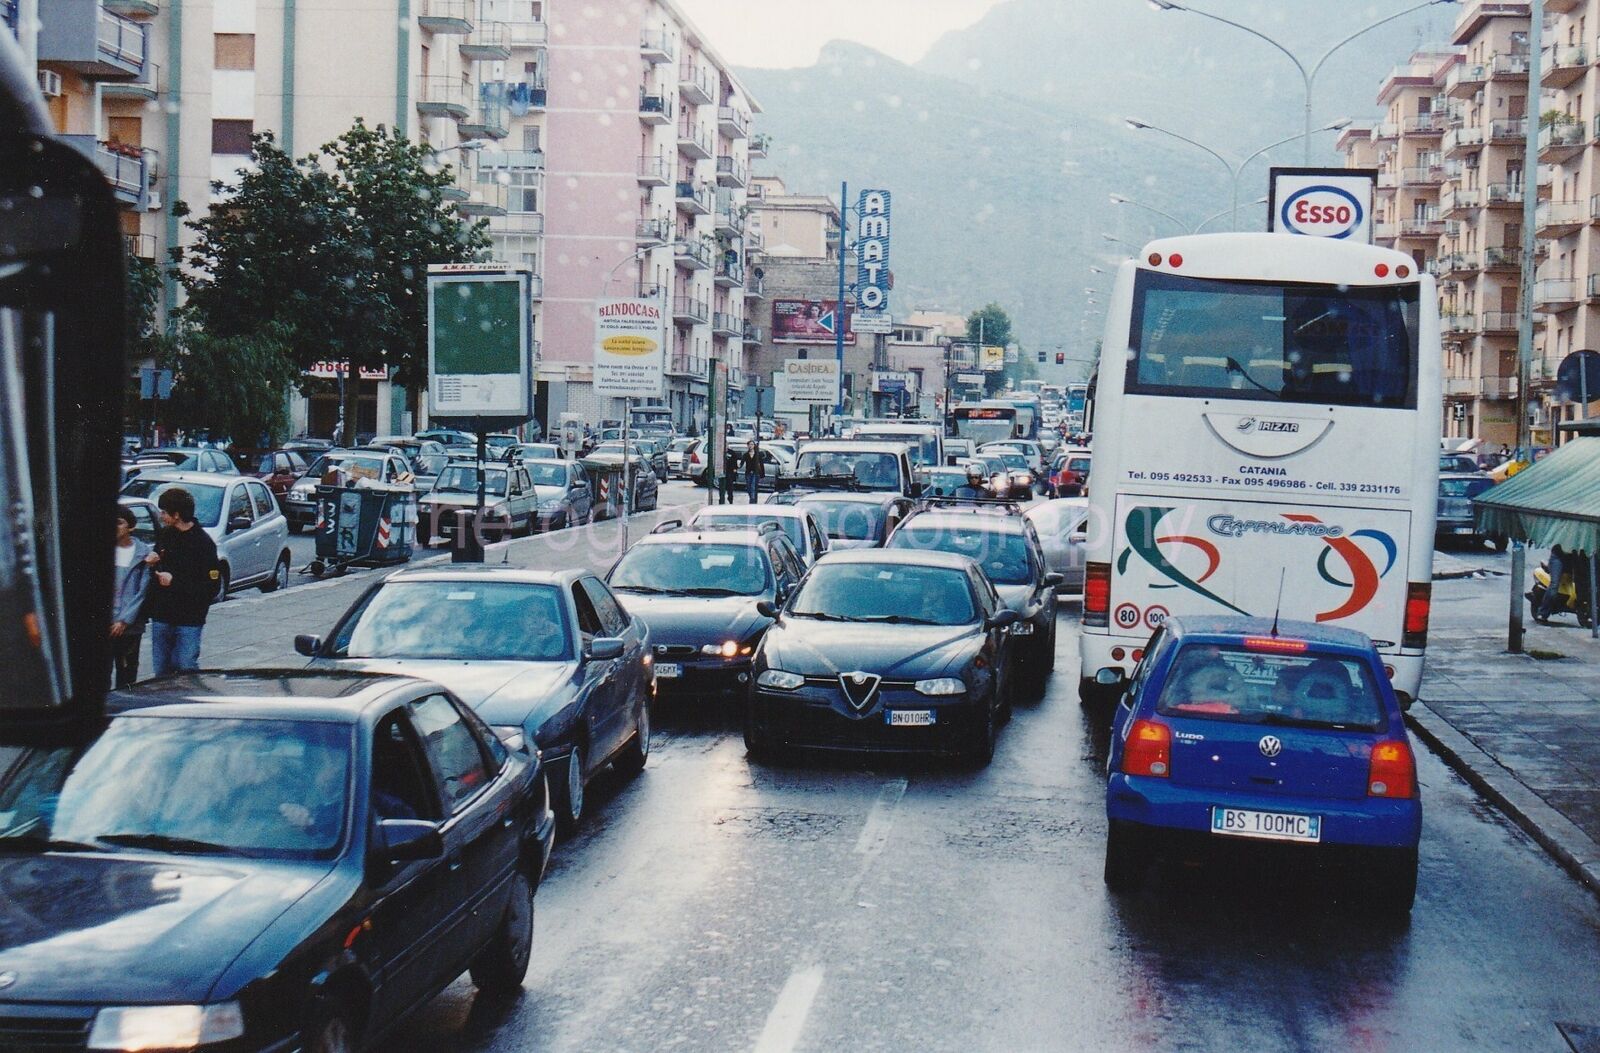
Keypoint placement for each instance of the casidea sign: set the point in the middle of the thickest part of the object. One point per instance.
(1323, 202)
(630, 349)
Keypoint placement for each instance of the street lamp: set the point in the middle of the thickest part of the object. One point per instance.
(1118, 199)
(1308, 76)
(1262, 200)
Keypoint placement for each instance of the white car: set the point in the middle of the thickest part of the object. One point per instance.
(239, 513)
(800, 524)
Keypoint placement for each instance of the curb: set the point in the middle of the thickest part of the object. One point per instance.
(1575, 850)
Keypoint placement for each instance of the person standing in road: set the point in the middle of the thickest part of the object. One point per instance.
(730, 468)
(127, 608)
(753, 469)
(186, 580)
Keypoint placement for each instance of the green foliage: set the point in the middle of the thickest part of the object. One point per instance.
(992, 325)
(235, 385)
(143, 301)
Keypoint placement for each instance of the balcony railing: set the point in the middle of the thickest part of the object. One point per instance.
(1591, 288)
(444, 97)
(1503, 194)
(653, 231)
(147, 85)
(1388, 179)
(518, 159)
(447, 16)
(1457, 139)
(690, 309)
(1555, 291)
(126, 168)
(731, 172)
(1508, 128)
(752, 333)
(759, 143)
(1466, 78)
(1420, 175)
(1508, 64)
(518, 223)
(1423, 124)
(693, 140)
(657, 46)
(1456, 198)
(1421, 227)
(529, 34)
(655, 171)
(755, 286)
(1497, 388)
(696, 255)
(726, 324)
(1458, 323)
(696, 83)
(729, 273)
(488, 42)
(1560, 65)
(121, 40)
(142, 246)
(1502, 257)
(1561, 140)
(694, 197)
(734, 123)
(1500, 321)
(1385, 130)
(1386, 231)
(655, 109)
(1460, 387)
(1559, 216)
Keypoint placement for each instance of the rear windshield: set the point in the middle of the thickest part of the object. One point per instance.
(848, 520)
(1463, 487)
(793, 527)
(1273, 341)
(1003, 555)
(1229, 683)
(924, 447)
(875, 471)
(207, 499)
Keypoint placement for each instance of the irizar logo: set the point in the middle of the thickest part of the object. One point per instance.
(1250, 424)
(1321, 211)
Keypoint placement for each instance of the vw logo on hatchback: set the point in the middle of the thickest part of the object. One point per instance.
(1270, 746)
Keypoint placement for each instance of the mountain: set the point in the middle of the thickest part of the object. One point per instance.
(1002, 147)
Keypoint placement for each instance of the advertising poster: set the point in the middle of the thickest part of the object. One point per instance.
(808, 322)
(630, 349)
(479, 352)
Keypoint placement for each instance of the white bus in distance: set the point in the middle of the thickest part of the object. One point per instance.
(1267, 411)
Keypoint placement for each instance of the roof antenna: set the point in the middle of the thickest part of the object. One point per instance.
(1278, 606)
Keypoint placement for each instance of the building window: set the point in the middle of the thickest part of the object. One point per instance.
(231, 137)
(235, 50)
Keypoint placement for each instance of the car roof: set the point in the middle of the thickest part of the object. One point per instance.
(865, 497)
(1231, 629)
(1000, 518)
(689, 535)
(261, 694)
(199, 478)
(768, 511)
(490, 572)
(853, 446)
(900, 557)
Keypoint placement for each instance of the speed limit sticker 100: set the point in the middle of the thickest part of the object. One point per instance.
(1127, 616)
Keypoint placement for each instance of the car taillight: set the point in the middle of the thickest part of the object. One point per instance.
(1392, 771)
(1097, 594)
(1148, 750)
(1419, 599)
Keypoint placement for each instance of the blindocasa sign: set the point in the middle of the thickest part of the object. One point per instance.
(630, 349)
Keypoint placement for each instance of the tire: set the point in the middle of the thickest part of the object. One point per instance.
(224, 583)
(636, 753)
(1394, 884)
(981, 752)
(757, 745)
(1049, 664)
(1125, 860)
(280, 575)
(499, 969)
(570, 813)
(296, 528)
(327, 1030)
(1500, 544)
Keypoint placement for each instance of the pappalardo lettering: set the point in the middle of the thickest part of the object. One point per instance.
(1231, 526)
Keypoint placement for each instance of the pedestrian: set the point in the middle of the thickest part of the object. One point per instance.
(127, 608)
(186, 579)
(753, 469)
(730, 468)
(1559, 564)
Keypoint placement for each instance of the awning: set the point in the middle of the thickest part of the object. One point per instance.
(1555, 501)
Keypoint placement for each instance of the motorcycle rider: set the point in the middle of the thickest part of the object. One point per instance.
(974, 488)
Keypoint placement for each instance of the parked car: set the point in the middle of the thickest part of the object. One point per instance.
(548, 658)
(381, 467)
(278, 469)
(448, 436)
(1062, 525)
(676, 449)
(642, 451)
(287, 861)
(511, 507)
(242, 517)
(425, 457)
(1456, 520)
(1241, 734)
(193, 459)
(562, 491)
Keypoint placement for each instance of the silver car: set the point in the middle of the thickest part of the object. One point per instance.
(239, 513)
(1062, 525)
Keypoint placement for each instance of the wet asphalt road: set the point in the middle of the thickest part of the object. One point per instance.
(715, 904)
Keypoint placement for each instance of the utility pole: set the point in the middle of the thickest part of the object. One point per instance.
(838, 307)
(1530, 199)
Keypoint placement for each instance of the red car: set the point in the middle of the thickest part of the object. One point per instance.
(277, 468)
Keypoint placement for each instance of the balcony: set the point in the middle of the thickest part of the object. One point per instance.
(1508, 129)
(655, 171)
(694, 198)
(690, 310)
(656, 47)
(1384, 131)
(527, 34)
(523, 223)
(1560, 66)
(1459, 201)
(1555, 294)
(692, 255)
(655, 109)
(1557, 219)
(1459, 387)
(693, 140)
(755, 286)
(1561, 141)
(485, 198)
(1502, 258)
(733, 123)
(140, 246)
(1385, 231)
(1591, 288)
(488, 42)
(683, 364)
(1499, 323)
(518, 159)
(758, 145)
(1458, 324)
(528, 94)
(1497, 389)
(1461, 140)
(130, 8)
(90, 40)
(1508, 65)
(490, 120)
(725, 324)
(1464, 80)
(752, 333)
(146, 86)
(696, 83)
(1388, 179)
(1430, 226)
(1423, 124)
(754, 240)
(131, 170)
(1421, 175)
(652, 232)
(446, 17)
(1503, 195)
(731, 172)
(729, 274)
(443, 97)
(728, 221)
(1458, 265)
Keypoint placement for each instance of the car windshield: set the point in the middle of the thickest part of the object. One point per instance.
(753, 517)
(680, 445)
(463, 479)
(704, 569)
(1013, 459)
(1232, 683)
(875, 471)
(467, 620)
(1058, 518)
(207, 499)
(1003, 554)
(546, 473)
(848, 520)
(180, 459)
(356, 465)
(1457, 462)
(204, 785)
(1464, 487)
(885, 592)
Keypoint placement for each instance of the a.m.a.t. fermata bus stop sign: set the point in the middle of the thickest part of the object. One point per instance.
(480, 347)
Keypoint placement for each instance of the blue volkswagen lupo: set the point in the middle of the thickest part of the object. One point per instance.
(1237, 730)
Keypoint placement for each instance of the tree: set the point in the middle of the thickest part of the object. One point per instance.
(234, 385)
(141, 319)
(990, 326)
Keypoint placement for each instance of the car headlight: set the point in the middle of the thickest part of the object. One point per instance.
(301, 493)
(550, 506)
(727, 648)
(944, 685)
(165, 1026)
(511, 735)
(780, 679)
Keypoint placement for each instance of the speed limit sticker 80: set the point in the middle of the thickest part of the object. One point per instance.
(1127, 616)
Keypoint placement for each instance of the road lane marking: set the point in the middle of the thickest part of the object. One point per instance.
(788, 1017)
(876, 829)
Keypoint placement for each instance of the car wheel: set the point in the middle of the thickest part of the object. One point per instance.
(328, 1030)
(758, 745)
(296, 528)
(1048, 666)
(499, 968)
(1500, 543)
(1125, 861)
(280, 576)
(1394, 883)
(571, 811)
(224, 582)
(982, 751)
(636, 753)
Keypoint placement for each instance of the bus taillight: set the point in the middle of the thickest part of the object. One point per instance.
(1096, 594)
(1419, 599)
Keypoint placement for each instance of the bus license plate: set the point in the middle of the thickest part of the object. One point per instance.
(908, 718)
(668, 670)
(1276, 826)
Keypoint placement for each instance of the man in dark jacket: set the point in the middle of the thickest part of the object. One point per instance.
(186, 580)
(730, 468)
(753, 470)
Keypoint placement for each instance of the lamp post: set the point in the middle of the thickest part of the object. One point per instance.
(1118, 199)
(1262, 200)
(1309, 77)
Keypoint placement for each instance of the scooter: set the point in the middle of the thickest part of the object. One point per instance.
(1566, 591)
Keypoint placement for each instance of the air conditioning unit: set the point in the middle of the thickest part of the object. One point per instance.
(154, 199)
(50, 83)
(1477, 98)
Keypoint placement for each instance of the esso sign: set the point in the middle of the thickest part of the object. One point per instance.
(1322, 212)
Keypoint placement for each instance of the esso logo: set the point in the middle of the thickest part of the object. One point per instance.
(1322, 212)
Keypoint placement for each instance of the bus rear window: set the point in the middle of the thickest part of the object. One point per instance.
(1273, 341)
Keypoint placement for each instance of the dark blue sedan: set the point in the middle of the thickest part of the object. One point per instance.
(1238, 734)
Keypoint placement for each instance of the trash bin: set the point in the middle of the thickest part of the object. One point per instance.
(367, 526)
(606, 477)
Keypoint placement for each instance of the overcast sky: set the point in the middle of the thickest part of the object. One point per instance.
(778, 34)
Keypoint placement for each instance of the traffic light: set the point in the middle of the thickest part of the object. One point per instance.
(1061, 358)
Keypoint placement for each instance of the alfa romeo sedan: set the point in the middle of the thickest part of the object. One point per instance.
(264, 861)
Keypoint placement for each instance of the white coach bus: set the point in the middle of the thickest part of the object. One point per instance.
(1267, 420)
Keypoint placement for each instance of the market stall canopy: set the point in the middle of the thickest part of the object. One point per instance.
(1556, 501)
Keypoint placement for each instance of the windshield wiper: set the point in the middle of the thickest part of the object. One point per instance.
(168, 843)
(1283, 720)
(709, 591)
(820, 616)
(649, 590)
(896, 619)
(1233, 366)
(46, 844)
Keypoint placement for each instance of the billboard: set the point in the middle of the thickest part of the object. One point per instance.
(1322, 202)
(872, 250)
(992, 358)
(808, 322)
(630, 339)
(479, 347)
(805, 382)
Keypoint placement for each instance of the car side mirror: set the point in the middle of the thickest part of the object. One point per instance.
(404, 840)
(915, 490)
(1001, 619)
(1078, 537)
(767, 609)
(603, 649)
(238, 523)
(307, 644)
(1052, 579)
